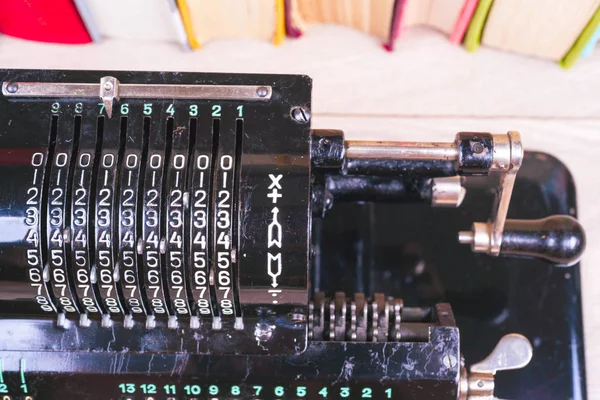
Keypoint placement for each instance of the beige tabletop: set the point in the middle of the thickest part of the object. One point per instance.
(426, 90)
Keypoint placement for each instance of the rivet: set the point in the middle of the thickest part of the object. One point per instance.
(12, 87)
(262, 91)
(477, 148)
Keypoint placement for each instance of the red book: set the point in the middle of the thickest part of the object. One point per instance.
(55, 21)
(396, 25)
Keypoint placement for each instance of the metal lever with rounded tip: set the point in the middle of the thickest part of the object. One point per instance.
(559, 239)
(513, 351)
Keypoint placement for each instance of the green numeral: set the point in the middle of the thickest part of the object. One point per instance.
(344, 392)
(125, 109)
(240, 111)
(147, 109)
(170, 389)
(213, 389)
(279, 391)
(55, 107)
(216, 111)
(3, 388)
(191, 389)
(388, 392)
(301, 391)
(193, 110)
(127, 387)
(323, 392)
(148, 389)
(367, 393)
(257, 390)
(170, 109)
(235, 390)
(24, 388)
(78, 108)
(101, 107)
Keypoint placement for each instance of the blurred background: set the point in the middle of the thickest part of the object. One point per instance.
(379, 77)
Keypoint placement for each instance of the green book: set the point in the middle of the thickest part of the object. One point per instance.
(573, 54)
(473, 36)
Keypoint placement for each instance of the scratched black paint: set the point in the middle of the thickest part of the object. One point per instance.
(475, 152)
(410, 251)
(273, 144)
(63, 364)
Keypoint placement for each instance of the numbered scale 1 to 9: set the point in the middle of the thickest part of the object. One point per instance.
(256, 391)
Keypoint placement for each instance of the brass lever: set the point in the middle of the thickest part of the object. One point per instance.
(513, 351)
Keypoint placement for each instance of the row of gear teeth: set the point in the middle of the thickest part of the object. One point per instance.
(355, 319)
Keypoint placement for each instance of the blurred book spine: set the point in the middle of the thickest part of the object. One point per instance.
(56, 21)
(557, 30)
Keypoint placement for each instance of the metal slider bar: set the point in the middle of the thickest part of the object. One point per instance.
(401, 150)
(110, 89)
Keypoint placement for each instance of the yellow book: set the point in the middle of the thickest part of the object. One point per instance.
(573, 54)
(187, 24)
(279, 35)
(472, 38)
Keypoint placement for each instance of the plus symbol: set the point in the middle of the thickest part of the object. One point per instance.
(274, 195)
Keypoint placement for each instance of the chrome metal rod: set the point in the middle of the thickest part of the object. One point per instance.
(401, 150)
(138, 91)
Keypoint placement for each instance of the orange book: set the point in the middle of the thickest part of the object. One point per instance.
(205, 20)
(374, 17)
(450, 17)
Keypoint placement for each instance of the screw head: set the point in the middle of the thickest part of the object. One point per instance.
(262, 91)
(477, 148)
(300, 114)
(12, 87)
(108, 86)
(449, 361)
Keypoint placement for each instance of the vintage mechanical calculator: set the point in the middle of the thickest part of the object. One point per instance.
(188, 236)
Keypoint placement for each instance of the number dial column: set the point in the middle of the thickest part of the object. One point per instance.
(223, 212)
(105, 196)
(81, 211)
(177, 185)
(38, 160)
(200, 208)
(57, 216)
(152, 216)
(129, 194)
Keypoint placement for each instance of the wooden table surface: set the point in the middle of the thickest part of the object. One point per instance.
(426, 90)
